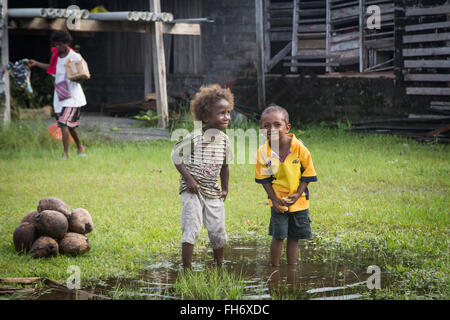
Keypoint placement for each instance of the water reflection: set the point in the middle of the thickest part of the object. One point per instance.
(309, 279)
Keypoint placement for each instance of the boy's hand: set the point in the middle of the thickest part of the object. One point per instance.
(31, 63)
(290, 200)
(279, 205)
(224, 194)
(192, 186)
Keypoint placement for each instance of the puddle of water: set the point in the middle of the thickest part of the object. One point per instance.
(250, 260)
(344, 297)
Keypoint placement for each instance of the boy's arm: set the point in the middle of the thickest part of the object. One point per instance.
(224, 177)
(301, 188)
(32, 63)
(192, 185)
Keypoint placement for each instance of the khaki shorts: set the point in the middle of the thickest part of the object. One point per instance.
(198, 210)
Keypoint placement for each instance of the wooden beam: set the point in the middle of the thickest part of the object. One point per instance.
(309, 64)
(430, 37)
(410, 12)
(362, 23)
(38, 23)
(427, 63)
(267, 44)
(278, 57)
(427, 26)
(159, 67)
(426, 52)
(328, 68)
(182, 28)
(438, 131)
(428, 91)
(294, 42)
(428, 77)
(5, 60)
(85, 25)
(148, 64)
(259, 15)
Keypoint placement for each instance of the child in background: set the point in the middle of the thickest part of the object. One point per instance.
(68, 97)
(284, 173)
(201, 158)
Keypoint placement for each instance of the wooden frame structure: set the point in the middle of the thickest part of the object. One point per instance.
(323, 36)
(155, 29)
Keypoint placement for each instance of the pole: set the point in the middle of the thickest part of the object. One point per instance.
(5, 60)
(260, 49)
(159, 67)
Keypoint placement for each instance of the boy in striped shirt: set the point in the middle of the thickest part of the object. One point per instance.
(201, 158)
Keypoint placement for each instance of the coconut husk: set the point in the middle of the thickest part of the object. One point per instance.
(52, 223)
(74, 244)
(81, 221)
(30, 217)
(24, 236)
(44, 247)
(52, 203)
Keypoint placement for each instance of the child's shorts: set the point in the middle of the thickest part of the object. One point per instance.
(291, 225)
(198, 210)
(69, 116)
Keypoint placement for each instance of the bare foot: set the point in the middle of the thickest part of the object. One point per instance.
(81, 149)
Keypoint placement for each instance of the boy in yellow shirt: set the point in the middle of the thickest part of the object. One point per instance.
(284, 168)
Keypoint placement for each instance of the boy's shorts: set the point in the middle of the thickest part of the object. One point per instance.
(198, 210)
(69, 117)
(291, 225)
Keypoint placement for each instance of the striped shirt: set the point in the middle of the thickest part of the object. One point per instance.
(204, 155)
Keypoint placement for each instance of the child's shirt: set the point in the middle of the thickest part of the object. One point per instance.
(204, 155)
(286, 174)
(77, 97)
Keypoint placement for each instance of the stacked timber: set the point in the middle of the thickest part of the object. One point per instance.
(423, 127)
(426, 50)
(378, 44)
(343, 40)
(308, 46)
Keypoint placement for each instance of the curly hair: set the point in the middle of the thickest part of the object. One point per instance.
(62, 36)
(204, 99)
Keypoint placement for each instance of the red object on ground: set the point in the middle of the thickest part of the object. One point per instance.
(55, 132)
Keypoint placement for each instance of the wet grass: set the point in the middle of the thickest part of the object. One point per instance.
(380, 200)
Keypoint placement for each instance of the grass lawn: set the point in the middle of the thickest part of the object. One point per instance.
(379, 200)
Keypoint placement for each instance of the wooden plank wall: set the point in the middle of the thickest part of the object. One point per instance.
(187, 50)
(331, 35)
(126, 52)
(426, 53)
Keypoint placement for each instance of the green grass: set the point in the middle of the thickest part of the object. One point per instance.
(210, 284)
(395, 193)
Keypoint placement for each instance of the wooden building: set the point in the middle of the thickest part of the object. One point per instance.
(319, 58)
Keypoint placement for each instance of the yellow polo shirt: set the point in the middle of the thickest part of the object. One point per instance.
(286, 174)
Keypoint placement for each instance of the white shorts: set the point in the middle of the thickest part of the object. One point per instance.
(198, 210)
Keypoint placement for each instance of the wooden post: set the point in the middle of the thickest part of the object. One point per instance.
(260, 51)
(5, 60)
(362, 21)
(159, 67)
(295, 16)
(148, 64)
(267, 55)
(328, 37)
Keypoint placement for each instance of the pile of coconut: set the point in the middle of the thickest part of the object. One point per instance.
(53, 229)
